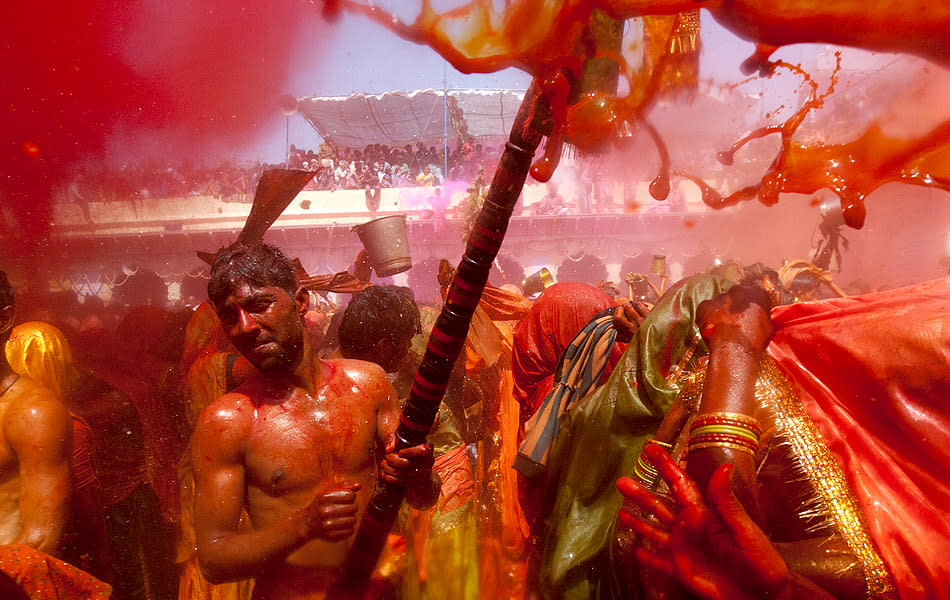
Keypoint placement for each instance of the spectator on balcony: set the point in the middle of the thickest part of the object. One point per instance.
(402, 176)
(385, 174)
(340, 174)
(552, 203)
(426, 178)
(370, 184)
(327, 154)
(295, 158)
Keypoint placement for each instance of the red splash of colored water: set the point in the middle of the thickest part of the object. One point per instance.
(546, 40)
(852, 170)
(76, 71)
(551, 46)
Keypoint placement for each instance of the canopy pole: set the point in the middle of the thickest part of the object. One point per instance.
(445, 122)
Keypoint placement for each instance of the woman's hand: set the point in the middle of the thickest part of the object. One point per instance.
(712, 549)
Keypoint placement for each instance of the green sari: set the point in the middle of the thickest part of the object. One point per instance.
(602, 437)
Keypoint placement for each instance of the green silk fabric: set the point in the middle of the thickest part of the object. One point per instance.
(601, 439)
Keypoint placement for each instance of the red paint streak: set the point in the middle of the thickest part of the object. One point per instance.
(851, 170)
(74, 71)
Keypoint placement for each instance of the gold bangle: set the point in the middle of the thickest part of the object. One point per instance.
(738, 447)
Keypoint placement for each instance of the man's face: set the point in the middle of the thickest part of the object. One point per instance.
(265, 324)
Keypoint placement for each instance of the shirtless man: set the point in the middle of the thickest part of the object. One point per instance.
(35, 447)
(299, 446)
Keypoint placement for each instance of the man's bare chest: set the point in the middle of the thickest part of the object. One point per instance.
(301, 446)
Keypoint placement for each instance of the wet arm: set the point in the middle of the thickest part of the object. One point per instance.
(425, 491)
(224, 552)
(737, 330)
(40, 434)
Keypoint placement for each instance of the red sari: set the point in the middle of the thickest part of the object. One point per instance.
(873, 373)
(540, 338)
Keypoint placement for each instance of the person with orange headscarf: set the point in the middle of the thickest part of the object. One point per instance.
(558, 314)
(541, 338)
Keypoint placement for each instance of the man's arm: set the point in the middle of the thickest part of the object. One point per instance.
(40, 433)
(224, 553)
(411, 467)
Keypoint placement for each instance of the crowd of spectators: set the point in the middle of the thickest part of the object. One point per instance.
(375, 166)
(154, 179)
(381, 166)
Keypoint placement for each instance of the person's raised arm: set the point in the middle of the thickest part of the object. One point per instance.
(39, 431)
(737, 328)
(224, 552)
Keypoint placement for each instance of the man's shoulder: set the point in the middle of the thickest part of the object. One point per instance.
(232, 408)
(357, 370)
(358, 375)
(31, 396)
(35, 407)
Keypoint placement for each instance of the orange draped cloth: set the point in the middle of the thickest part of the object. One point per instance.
(873, 373)
(458, 488)
(503, 530)
(42, 577)
(204, 368)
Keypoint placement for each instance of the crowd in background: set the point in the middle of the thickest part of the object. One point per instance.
(382, 166)
(375, 166)
(156, 179)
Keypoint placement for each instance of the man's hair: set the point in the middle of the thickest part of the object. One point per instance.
(378, 312)
(6, 291)
(258, 265)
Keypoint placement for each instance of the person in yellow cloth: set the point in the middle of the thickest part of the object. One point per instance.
(35, 448)
(116, 527)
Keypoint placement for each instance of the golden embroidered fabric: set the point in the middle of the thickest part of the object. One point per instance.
(774, 394)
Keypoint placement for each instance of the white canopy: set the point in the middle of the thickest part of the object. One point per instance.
(400, 118)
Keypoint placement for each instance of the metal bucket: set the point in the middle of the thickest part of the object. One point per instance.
(537, 282)
(386, 241)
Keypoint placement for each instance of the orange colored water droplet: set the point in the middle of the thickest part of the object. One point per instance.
(660, 186)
